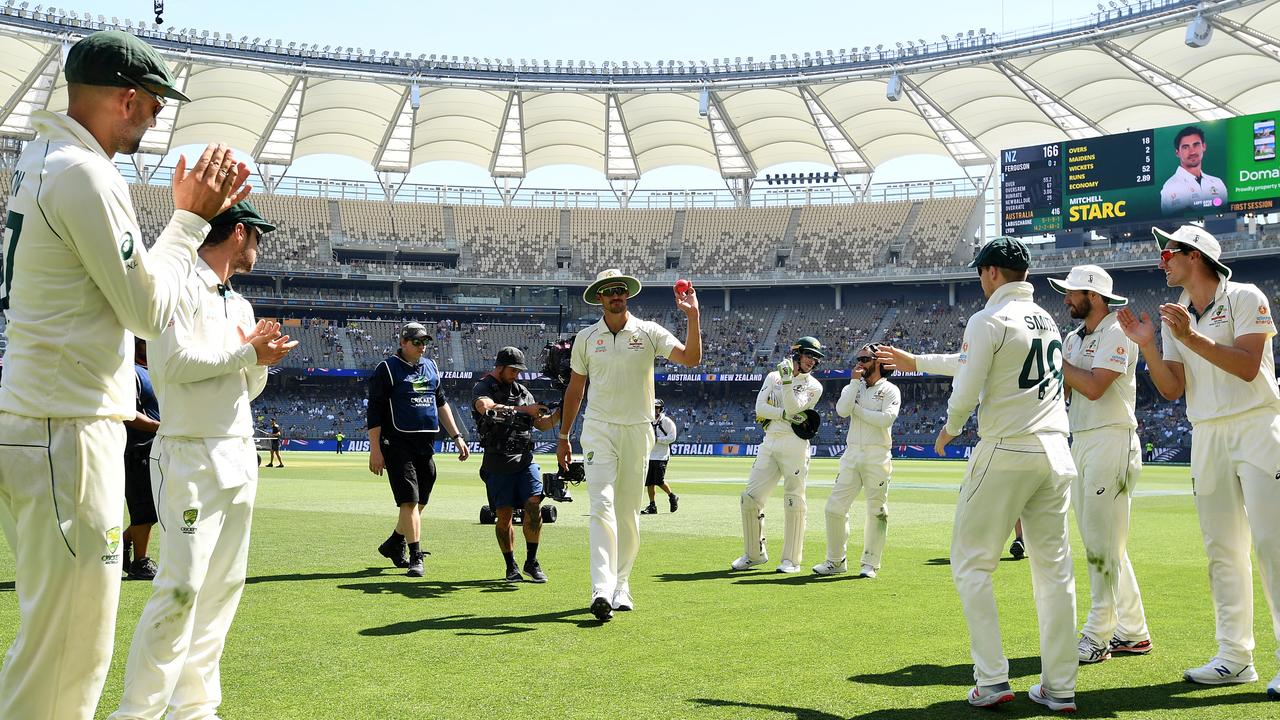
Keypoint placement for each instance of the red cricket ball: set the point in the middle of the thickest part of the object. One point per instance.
(683, 286)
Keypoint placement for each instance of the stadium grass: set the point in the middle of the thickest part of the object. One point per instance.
(328, 630)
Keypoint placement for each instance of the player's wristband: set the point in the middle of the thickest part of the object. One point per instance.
(562, 436)
(457, 437)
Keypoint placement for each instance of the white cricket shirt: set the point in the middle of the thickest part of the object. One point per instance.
(203, 374)
(664, 433)
(774, 403)
(871, 410)
(620, 368)
(79, 279)
(1011, 362)
(1237, 309)
(1106, 348)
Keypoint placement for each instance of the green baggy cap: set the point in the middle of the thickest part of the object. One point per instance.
(118, 59)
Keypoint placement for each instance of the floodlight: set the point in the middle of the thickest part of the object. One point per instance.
(704, 102)
(415, 95)
(893, 89)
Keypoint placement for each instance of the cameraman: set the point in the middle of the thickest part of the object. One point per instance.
(505, 414)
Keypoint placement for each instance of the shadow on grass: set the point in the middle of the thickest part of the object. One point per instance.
(429, 589)
(6, 586)
(695, 576)
(1107, 703)
(958, 675)
(485, 626)
(296, 577)
(947, 561)
(800, 578)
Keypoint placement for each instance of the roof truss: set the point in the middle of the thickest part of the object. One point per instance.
(844, 152)
(1068, 119)
(277, 144)
(508, 153)
(731, 152)
(1200, 103)
(962, 146)
(32, 95)
(619, 156)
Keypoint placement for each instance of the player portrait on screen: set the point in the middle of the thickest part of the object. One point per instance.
(1189, 186)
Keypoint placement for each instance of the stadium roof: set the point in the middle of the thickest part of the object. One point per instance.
(966, 98)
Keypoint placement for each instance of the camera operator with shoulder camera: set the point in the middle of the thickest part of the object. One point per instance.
(506, 414)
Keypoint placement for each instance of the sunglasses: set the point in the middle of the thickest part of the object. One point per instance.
(416, 341)
(1168, 253)
(614, 291)
(864, 358)
(154, 95)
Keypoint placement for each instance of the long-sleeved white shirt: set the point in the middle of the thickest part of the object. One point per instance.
(1011, 362)
(774, 403)
(664, 433)
(80, 282)
(203, 374)
(871, 410)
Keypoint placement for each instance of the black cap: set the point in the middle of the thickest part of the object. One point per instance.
(414, 331)
(510, 357)
(1005, 252)
(242, 212)
(118, 59)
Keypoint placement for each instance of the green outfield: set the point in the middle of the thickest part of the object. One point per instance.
(328, 630)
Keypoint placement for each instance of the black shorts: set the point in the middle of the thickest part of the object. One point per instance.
(412, 472)
(137, 489)
(275, 446)
(657, 473)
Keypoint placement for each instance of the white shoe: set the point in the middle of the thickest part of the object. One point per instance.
(1273, 687)
(1091, 652)
(1221, 672)
(746, 563)
(788, 567)
(827, 567)
(990, 695)
(867, 572)
(622, 598)
(1037, 694)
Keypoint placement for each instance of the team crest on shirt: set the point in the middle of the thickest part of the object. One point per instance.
(1219, 316)
(126, 250)
(113, 546)
(591, 455)
(635, 343)
(189, 517)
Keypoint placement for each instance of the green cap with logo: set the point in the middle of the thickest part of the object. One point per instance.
(118, 59)
(242, 212)
(1005, 252)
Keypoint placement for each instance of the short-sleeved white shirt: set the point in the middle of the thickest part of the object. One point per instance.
(620, 369)
(1237, 309)
(1106, 348)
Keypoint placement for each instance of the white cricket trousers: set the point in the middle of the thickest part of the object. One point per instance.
(61, 506)
(785, 457)
(1028, 477)
(204, 549)
(617, 458)
(1109, 462)
(863, 469)
(1235, 471)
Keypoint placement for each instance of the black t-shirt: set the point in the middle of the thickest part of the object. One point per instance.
(514, 395)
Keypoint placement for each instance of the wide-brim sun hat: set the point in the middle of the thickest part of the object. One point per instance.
(1197, 238)
(608, 278)
(1089, 278)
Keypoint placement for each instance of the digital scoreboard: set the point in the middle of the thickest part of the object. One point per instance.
(1160, 175)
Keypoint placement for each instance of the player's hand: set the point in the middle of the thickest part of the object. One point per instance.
(858, 371)
(797, 419)
(376, 463)
(269, 350)
(264, 328)
(1140, 330)
(215, 183)
(564, 455)
(687, 302)
(785, 370)
(1178, 319)
(940, 446)
(895, 358)
(464, 452)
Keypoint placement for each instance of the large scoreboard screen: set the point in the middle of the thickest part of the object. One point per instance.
(1170, 173)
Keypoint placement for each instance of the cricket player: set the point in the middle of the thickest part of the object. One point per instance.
(78, 283)
(1099, 371)
(1217, 350)
(871, 403)
(617, 355)
(208, 365)
(664, 433)
(787, 393)
(1011, 362)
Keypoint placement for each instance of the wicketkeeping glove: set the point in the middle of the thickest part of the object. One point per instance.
(785, 370)
(797, 419)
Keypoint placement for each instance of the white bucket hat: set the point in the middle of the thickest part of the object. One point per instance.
(1198, 238)
(608, 278)
(1089, 278)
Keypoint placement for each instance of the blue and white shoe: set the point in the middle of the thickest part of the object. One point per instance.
(990, 695)
(1221, 672)
(1038, 694)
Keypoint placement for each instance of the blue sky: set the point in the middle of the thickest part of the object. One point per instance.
(596, 31)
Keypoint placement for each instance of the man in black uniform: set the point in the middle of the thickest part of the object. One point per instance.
(140, 431)
(275, 444)
(406, 410)
(505, 414)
